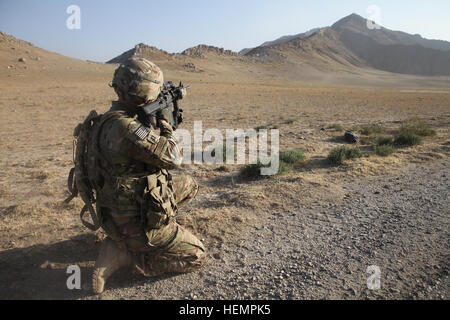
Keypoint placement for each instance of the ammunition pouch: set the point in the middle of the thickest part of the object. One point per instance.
(159, 205)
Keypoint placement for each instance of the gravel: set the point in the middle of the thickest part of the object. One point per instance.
(398, 222)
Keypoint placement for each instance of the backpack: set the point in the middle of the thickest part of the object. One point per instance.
(81, 181)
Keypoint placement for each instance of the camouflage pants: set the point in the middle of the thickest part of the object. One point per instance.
(182, 251)
(171, 248)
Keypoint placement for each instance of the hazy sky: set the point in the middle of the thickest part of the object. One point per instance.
(111, 27)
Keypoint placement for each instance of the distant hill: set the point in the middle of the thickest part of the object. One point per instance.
(348, 48)
(321, 49)
(394, 51)
(177, 61)
(22, 60)
(281, 40)
(201, 51)
(201, 59)
(350, 41)
(317, 57)
(142, 49)
(155, 54)
(357, 24)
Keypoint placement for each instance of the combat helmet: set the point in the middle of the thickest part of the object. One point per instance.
(138, 81)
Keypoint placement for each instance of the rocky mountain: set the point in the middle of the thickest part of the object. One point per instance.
(142, 49)
(155, 54)
(357, 24)
(346, 44)
(201, 51)
(282, 40)
(322, 49)
(393, 51)
(23, 60)
(350, 41)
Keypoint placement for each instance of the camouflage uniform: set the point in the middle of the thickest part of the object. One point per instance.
(122, 166)
(137, 198)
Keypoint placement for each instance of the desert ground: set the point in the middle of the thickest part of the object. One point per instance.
(307, 234)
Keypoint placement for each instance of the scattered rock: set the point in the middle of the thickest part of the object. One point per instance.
(351, 137)
(201, 51)
(22, 60)
(189, 66)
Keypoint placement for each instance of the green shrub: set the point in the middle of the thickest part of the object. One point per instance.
(284, 167)
(340, 154)
(287, 161)
(371, 129)
(384, 150)
(381, 140)
(337, 155)
(252, 171)
(366, 140)
(407, 139)
(418, 127)
(292, 156)
(337, 127)
(354, 153)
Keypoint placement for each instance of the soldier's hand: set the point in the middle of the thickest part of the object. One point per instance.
(166, 128)
(163, 115)
(183, 93)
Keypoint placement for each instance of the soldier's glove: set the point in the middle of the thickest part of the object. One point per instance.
(163, 115)
(166, 128)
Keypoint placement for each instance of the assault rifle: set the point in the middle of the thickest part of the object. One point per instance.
(168, 99)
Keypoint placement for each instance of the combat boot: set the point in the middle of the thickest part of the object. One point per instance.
(110, 259)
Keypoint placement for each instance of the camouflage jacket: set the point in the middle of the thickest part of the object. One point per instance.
(129, 152)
